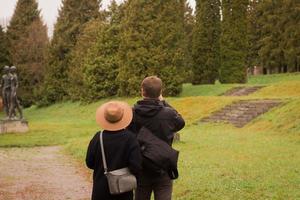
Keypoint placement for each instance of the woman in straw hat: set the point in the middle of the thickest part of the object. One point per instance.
(120, 146)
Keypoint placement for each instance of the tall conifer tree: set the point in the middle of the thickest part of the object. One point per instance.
(4, 54)
(86, 40)
(101, 65)
(271, 50)
(234, 41)
(25, 13)
(253, 33)
(189, 24)
(30, 59)
(206, 42)
(152, 43)
(28, 40)
(72, 17)
(291, 34)
(279, 35)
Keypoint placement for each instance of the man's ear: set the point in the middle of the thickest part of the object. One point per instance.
(142, 93)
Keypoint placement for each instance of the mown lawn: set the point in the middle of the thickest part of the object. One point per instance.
(217, 161)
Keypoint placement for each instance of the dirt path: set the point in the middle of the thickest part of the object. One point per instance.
(42, 173)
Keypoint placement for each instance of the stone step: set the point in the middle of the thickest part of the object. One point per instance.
(242, 91)
(242, 112)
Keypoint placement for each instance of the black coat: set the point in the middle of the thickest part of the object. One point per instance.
(159, 117)
(121, 150)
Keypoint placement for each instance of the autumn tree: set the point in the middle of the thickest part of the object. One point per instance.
(30, 59)
(28, 40)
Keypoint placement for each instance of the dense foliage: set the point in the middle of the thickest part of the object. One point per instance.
(95, 54)
(28, 40)
(189, 24)
(4, 54)
(152, 43)
(86, 40)
(206, 42)
(101, 65)
(279, 39)
(72, 17)
(234, 41)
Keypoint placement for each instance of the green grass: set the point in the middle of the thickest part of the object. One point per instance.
(217, 161)
(222, 162)
(218, 89)
(205, 90)
(273, 78)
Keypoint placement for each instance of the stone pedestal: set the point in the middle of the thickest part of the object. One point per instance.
(13, 126)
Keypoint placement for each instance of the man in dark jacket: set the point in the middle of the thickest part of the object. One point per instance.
(163, 121)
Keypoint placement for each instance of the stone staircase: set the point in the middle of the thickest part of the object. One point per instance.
(242, 91)
(241, 112)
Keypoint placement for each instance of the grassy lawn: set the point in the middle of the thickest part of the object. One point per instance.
(217, 161)
(274, 78)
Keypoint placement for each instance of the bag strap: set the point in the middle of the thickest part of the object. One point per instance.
(103, 153)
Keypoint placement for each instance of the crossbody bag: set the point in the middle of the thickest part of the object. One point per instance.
(120, 180)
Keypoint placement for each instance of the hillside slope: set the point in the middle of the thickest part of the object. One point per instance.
(217, 161)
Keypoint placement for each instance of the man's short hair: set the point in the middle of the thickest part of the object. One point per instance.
(152, 86)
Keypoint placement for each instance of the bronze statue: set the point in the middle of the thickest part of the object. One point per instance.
(14, 102)
(6, 90)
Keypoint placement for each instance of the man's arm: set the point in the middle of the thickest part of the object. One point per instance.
(178, 121)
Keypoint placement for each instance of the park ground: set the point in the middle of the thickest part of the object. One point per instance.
(217, 161)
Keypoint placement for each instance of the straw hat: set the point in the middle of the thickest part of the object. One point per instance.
(114, 115)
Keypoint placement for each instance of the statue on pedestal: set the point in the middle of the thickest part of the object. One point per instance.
(14, 102)
(9, 84)
(6, 90)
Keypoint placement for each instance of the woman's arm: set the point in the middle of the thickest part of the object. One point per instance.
(91, 151)
(135, 157)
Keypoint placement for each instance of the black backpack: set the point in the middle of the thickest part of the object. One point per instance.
(158, 156)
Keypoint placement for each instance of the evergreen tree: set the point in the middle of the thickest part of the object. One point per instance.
(278, 44)
(291, 34)
(4, 55)
(206, 42)
(271, 50)
(152, 43)
(100, 68)
(28, 40)
(30, 59)
(234, 41)
(253, 33)
(72, 17)
(86, 40)
(189, 23)
(25, 13)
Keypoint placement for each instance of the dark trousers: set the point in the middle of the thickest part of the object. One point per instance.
(161, 186)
